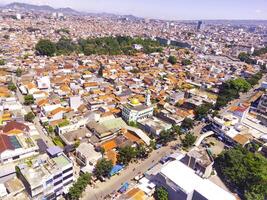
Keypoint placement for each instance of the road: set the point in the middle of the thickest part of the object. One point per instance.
(36, 121)
(103, 189)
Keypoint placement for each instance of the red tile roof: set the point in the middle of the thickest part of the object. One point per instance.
(12, 125)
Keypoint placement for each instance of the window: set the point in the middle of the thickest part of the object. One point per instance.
(67, 170)
(56, 183)
(65, 178)
(57, 176)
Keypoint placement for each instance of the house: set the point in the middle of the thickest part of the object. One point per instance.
(43, 83)
(86, 155)
(199, 160)
(154, 125)
(106, 129)
(16, 147)
(75, 102)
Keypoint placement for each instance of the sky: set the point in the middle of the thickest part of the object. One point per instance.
(166, 9)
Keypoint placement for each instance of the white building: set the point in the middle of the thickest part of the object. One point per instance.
(48, 178)
(87, 157)
(134, 110)
(75, 102)
(43, 83)
(182, 183)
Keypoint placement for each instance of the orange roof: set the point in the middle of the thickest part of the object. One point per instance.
(135, 194)
(112, 155)
(56, 122)
(132, 137)
(57, 110)
(42, 102)
(241, 139)
(65, 88)
(30, 85)
(90, 84)
(109, 145)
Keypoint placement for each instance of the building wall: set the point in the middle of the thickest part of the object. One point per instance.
(175, 193)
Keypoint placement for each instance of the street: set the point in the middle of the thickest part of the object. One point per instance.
(103, 189)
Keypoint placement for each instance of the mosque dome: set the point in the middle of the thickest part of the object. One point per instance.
(135, 101)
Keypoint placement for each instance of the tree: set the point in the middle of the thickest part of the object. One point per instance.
(79, 187)
(28, 100)
(65, 46)
(50, 129)
(240, 84)
(29, 117)
(45, 47)
(188, 140)
(243, 171)
(176, 130)
(187, 123)
(203, 110)
(103, 168)
(172, 60)
(141, 151)
(126, 154)
(166, 136)
(18, 72)
(6, 37)
(161, 194)
(100, 71)
(186, 62)
(11, 86)
(102, 151)
(2, 62)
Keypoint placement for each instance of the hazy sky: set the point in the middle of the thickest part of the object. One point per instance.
(167, 9)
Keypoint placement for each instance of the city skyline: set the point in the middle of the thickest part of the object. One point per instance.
(169, 9)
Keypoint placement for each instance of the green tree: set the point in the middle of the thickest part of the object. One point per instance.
(50, 129)
(100, 71)
(103, 168)
(141, 151)
(11, 86)
(65, 46)
(29, 117)
(240, 84)
(18, 72)
(187, 123)
(243, 171)
(45, 47)
(188, 140)
(203, 110)
(172, 60)
(186, 62)
(166, 136)
(161, 194)
(28, 100)
(79, 187)
(2, 62)
(102, 151)
(126, 154)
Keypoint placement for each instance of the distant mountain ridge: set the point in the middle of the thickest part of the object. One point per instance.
(40, 8)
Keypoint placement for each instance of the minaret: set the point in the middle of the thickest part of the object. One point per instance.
(148, 95)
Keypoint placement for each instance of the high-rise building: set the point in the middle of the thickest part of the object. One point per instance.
(48, 177)
(199, 25)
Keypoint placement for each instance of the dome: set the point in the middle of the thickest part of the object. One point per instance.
(135, 101)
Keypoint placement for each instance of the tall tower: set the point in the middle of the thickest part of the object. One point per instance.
(148, 95)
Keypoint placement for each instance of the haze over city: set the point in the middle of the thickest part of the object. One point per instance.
(167, 9)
